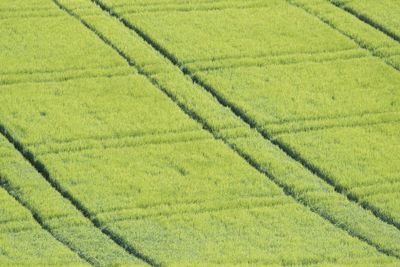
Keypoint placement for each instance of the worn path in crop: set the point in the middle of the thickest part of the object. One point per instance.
(180, 113)
(368, 117)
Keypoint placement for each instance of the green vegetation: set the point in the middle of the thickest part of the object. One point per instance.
(24, 242)
(293, 93)
(55, 213)
(383, 15)
(378, 40)
(226, 202)
(205, 35)
(198, 133)
(363, 160)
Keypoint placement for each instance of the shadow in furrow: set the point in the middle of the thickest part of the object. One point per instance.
(40, 168)
(359, 43)
(367, 20)
(4, 184)
(239, 113)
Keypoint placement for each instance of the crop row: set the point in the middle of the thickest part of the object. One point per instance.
(24, 5)
(158, 179)
(69, 233)
(101, 180)
(265, 95)
(312, 124)
(383, 16)
(23, 51)
(357, 158)
(137, 139)
(255, 4)
(364, 34)
(264, 61)
(368, 67)
(10, 15)
(23, 240)
(158, 3)
(230, 33)
(52, 76)
(170, 202)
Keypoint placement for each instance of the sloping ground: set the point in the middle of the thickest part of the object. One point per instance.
(199, 133)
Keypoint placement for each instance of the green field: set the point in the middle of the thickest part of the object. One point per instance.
(199, 132)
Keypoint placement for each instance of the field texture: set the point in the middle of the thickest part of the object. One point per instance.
(199, 132)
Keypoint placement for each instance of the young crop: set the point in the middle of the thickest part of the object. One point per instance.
(23, 241)
(184, 132)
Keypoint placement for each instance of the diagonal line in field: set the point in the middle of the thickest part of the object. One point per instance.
(41, 169)
(283, 63)
(265, 55)
(63, 70)
(193, 115)
(367, 20)
(162, 3)
(333, 117)
(106, 146)
(65, 79)
(327, 22)
(48, 76)
(204, 210)
(275, 59)
(187, 7)
(139, 134)
(28, 16)
(272, 199)
(35, 215)
(239, 113)
(326, 127)
(25, 9)
(193, 9)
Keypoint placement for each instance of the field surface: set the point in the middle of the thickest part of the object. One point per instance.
(199, 132)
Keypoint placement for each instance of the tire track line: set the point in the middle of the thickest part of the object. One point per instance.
(207, 127)
(41, 169)
(367, 20)
(327, 22)
(337, 126)
(35, 215)
(228, 104)
(64, 79)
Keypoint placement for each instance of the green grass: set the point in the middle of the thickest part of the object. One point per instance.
(24, 242)
(366, 32)
(204, 133)
(55, 213)
(362, 160)
(285, 93)
(196, 35)
(381, 15)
